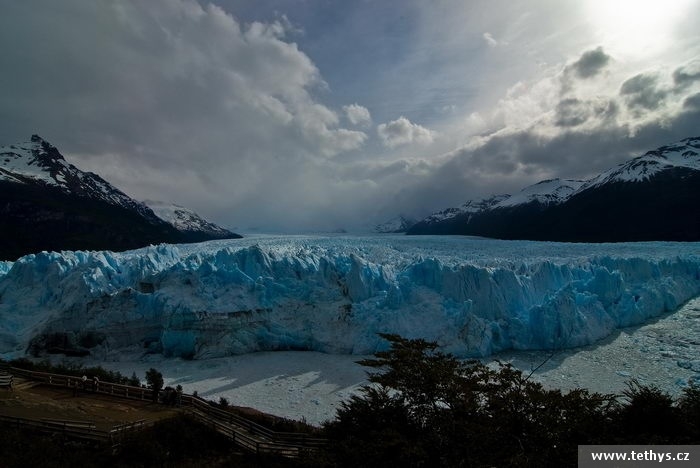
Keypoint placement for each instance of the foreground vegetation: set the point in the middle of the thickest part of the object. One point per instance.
(154, 381)
(78, 370)
(424, 408)
(427, 408)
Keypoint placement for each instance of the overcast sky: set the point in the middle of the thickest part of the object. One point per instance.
(304, 115)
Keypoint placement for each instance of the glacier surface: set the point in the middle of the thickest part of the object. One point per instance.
(334, 294)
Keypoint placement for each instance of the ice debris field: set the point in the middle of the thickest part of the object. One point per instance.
(334, 294)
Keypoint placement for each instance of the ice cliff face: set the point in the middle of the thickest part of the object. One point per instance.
(474, 297)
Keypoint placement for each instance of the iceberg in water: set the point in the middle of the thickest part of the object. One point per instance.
(334, 294)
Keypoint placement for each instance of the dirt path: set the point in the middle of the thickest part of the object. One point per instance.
(44, 402)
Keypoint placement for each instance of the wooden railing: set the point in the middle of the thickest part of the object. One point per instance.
(296, 438)
(85, 430)
(5, 380)
(242, 431)
(77, 383)
(248, 434)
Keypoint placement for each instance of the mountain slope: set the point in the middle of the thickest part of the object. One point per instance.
(38, 163)
(48, 204)
(547, 192)
(651, 197)
(190, 224)
(395, 225)
(683, 155)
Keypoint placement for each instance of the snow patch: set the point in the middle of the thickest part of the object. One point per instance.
(183, 219)
(547, 192)
(684, 154)
(470, 207)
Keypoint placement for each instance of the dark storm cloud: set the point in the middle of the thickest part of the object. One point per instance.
(571, 112)
(172, 99)
(579, 136)
(642, 91)
(583, 133)
(590, 63)
(687, 74)
(692, 102)
(183, 101)
(376, 171)
(514, 160)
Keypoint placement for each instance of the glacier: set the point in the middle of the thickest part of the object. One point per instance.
(334, 294)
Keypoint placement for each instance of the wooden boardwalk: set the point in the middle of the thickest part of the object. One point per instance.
(84, 430)
(243, 432)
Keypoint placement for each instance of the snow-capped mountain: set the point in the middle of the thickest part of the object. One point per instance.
(187, 221)
(49, 204)
(469, 208)
(651, 197)
(547, 192)
(395, 225)
(683, 155)
(37, 162)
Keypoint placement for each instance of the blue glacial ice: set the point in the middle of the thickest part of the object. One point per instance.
(335, 293)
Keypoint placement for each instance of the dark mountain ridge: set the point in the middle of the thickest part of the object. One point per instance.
(654, 197)
(48, 204)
